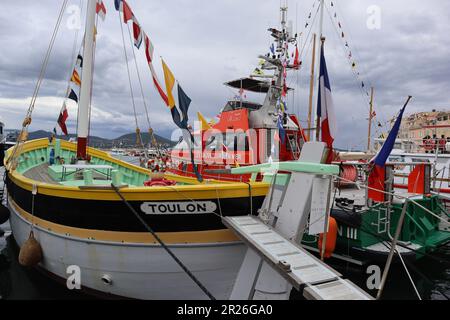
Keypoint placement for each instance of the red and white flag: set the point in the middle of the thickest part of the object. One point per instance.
(325, 108)
(137, 33)
(101, 9)
(127, 12)
(63, 115)
(149, 54)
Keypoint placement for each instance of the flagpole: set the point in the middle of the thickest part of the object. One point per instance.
(311, 87)
(322, 39)
(86, 84)
(370, 119)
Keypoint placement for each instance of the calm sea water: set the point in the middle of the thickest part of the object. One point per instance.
(20, 283)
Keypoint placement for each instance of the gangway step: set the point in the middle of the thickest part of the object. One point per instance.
(299, 267)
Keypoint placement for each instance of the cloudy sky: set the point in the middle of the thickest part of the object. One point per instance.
(205, 43)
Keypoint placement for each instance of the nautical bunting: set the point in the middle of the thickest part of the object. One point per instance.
(119, 5)
(101, 9)
(63, 115)
(127, 12)
(170, 82)
(137, 33)
(184, 102)
(73, 96)
(76, 78)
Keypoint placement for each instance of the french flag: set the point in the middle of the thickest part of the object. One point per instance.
(381, 157)
(325, 108)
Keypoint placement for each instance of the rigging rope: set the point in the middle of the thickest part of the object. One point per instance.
(138, 132)
(12, 161)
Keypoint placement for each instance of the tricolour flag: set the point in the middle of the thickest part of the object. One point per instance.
(325, 108)
(101, 9)
(63, 115)
(382, 156)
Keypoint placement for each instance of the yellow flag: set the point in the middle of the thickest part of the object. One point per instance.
(170, 81)
(203, 122)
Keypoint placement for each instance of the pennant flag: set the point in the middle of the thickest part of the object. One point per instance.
(339, 24)
(362, 84)
(119, 5)
(306, 25)
(137, 33)
(73, 96)
(148, 49)
(127, 12)
(342, 34)
(353, 65)
(204, 125)
(63, 115)
(381, 157)
(346, 43)
(149, 54)
(325, 109)
(101, 9)
(281, 130)
(184, 102)
(170, 81)
(350, 55)
(373, 115)
(296, 59)
(79, 61)
(54, 131)
(76, 78)
(272, 48)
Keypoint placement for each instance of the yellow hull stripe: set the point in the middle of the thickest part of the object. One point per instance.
(211, 189)
(189, 237)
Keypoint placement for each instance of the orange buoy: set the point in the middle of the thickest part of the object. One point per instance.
(330, 244)
(31, 252)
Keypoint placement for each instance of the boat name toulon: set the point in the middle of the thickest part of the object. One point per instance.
(197, 207)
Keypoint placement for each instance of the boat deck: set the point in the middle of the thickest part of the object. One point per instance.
(41, 173)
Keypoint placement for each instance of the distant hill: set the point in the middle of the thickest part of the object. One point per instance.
(127, 140)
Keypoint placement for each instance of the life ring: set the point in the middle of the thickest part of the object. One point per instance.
(330, 244)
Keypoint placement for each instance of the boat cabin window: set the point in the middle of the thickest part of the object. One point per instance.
(236, 105)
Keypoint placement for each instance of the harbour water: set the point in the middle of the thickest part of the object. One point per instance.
(18, 283)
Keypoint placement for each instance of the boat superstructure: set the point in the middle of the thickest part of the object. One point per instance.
(249, 132)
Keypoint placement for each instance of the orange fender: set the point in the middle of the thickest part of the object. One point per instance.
(330, 245)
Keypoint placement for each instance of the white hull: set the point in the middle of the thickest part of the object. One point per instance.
(137, 271)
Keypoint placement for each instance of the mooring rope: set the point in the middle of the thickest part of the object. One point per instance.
(149, 229)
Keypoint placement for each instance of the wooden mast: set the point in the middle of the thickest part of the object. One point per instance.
(311, 88)
(370, 119)
(86, 83)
